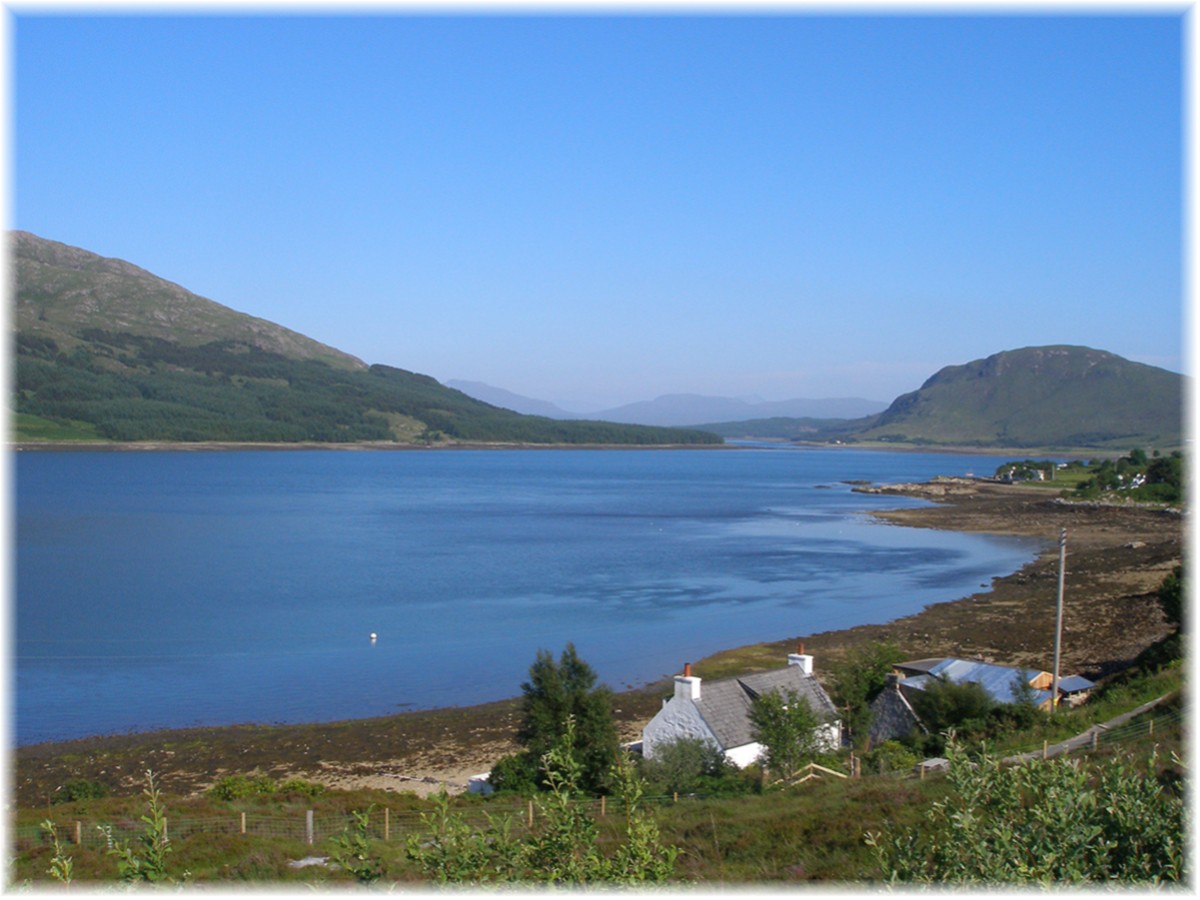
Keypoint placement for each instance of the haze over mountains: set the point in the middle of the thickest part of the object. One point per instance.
(108, 351)
(679, 409)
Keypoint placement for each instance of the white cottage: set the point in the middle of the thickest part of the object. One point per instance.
(719, 711)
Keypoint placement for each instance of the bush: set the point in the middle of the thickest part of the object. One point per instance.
(80, 789)
(309, 789)
(236, 787)
(691, 765)
(562, 849)
(890, 757)
(1041, 822)
(517, 773)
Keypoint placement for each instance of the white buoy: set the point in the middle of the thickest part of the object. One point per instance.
(373, 635)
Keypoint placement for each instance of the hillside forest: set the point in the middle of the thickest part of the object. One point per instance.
(127, 387)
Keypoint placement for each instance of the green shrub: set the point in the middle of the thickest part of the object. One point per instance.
(80, 789)
(308, 789)
(890, 757)
(1060, 821)
(517, 773)
(691, 766)
(235, 787)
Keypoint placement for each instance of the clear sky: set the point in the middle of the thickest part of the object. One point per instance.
(599, 209)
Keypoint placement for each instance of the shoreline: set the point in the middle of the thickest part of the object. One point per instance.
(390, 446)
(1116, 558)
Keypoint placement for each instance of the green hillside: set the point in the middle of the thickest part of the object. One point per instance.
(63, 291)
(1039, 397)
(1044, 397)
(108, 351)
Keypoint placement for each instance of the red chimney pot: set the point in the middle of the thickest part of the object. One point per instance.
(687, 670)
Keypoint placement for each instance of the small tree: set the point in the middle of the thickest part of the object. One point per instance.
(150, 865)
(62, 866)
(352, 850)
(786, 726)
(562, 849)
(944, 705)
(562, 691)
(858, 679)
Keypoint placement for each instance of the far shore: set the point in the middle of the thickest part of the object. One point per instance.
(388, 446)
(1117, 557)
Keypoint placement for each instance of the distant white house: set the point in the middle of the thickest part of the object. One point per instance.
(719, 711)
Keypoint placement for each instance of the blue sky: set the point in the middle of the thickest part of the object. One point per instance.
(600, 209)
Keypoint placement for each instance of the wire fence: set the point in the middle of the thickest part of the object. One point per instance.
(313, 829)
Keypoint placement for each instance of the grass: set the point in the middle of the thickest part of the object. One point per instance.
(27, 427)
(810, 832)
(1109, 701)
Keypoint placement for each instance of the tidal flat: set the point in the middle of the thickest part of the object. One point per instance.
(1117, 556)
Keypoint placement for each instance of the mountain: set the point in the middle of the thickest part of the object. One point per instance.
(688, 409)
(65, 291)
(508, 400)
(1056, 396)
(106, 350)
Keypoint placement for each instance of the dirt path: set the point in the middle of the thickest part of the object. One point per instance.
(1086, 739)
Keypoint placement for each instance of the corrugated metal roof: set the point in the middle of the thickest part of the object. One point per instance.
(1000, 682)
(1073, 683)
(919, 666)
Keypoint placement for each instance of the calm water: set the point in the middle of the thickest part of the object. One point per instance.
(172, 589)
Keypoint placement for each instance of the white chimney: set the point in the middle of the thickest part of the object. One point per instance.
(801, 659)
(687, 685)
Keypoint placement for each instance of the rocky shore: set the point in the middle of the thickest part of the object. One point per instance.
(1117, 556)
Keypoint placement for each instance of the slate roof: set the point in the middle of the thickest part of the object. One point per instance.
(725, 705)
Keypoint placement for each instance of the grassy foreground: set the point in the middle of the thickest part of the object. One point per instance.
(813, 831)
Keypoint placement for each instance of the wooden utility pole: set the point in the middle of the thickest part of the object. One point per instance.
(1058, 618)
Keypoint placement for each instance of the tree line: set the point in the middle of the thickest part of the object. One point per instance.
(133, 388)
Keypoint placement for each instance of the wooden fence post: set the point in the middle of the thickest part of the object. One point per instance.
(1045, 750)
(603, 806)
(78, 833)
(166, 837)
(243, 821)
(1151, 728)
(308, 827)
(530, 811)
(675, 797)
(1095, 739)
(387, 824)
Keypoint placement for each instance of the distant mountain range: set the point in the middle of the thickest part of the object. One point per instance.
(108, 351)
(508, 400)
(678, 409)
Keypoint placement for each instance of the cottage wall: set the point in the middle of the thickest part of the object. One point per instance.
(679, 718)
(892, 717)
(745, 755)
